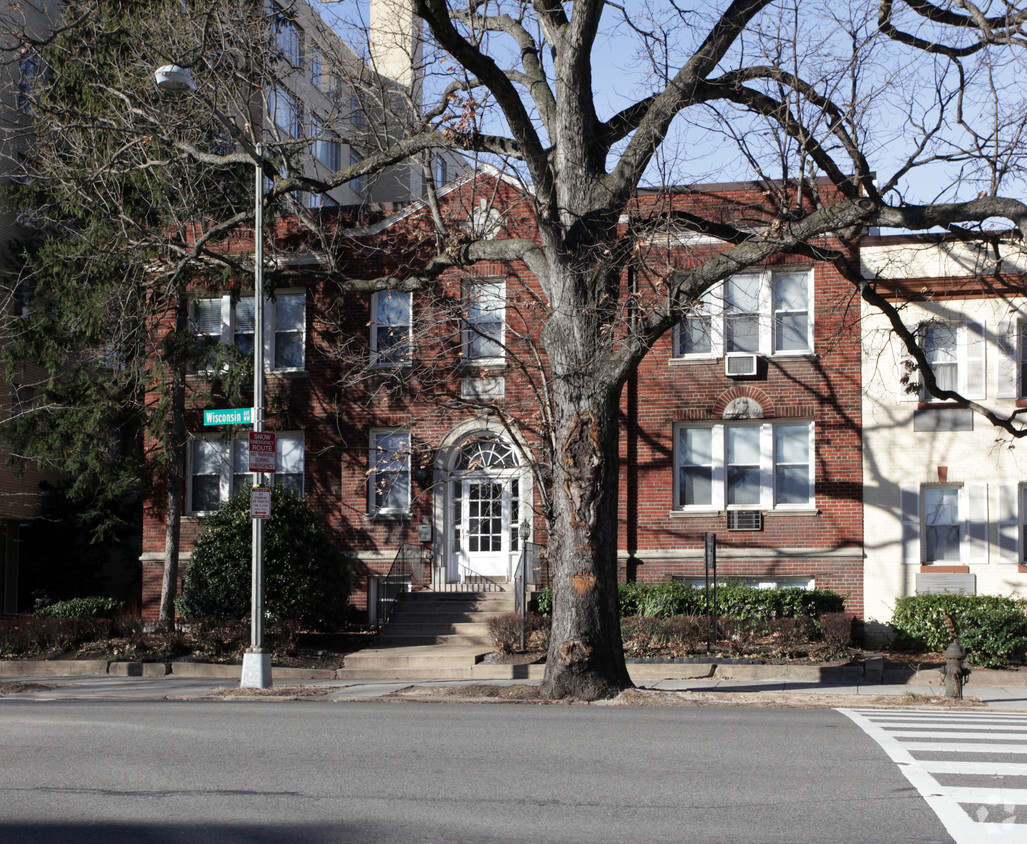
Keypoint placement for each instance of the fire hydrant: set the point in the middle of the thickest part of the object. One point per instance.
(954, 671)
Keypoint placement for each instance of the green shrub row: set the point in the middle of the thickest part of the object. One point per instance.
(992, 629)
(94, 607)
(677, 598)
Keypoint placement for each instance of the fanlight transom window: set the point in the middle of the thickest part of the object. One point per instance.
(483, 455)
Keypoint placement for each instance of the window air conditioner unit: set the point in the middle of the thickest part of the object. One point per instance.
(740, 364)
(744, 520)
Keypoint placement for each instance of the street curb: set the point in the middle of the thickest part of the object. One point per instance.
(131, 668)
(870, 672)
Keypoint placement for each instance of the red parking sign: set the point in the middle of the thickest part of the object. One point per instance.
(262, 451)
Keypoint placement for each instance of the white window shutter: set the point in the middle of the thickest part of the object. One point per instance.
(766, 314)
(972, 364)
(908, 375)
(1008, 523)
(909, 505)
(975, 515)
(1006, 337)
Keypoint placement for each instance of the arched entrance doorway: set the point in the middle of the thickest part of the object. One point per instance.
(485, 505)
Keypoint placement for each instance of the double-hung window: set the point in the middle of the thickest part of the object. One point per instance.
(948, 523)
(1012, 359)
(484, 321)
(768, 313)
(391, 328)
(956, 354)
(763, 465)
(222, 320)
(219, 466)
(388, 484)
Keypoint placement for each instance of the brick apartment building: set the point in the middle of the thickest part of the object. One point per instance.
(399, 410)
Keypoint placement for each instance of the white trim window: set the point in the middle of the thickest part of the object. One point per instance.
(392, 329)
(388, 483)
(220, 320)
(218, 467)
(956, 353)
(944, 523)
(768, 465)
(768, 313)
(484, 330)
(287, 111)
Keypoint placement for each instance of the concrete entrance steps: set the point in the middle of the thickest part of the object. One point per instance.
(432, 635)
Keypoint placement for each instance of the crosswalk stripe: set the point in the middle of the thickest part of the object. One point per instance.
(987, 769)
(958, 734)
(901, 735)
(996, 796)
(952, 747)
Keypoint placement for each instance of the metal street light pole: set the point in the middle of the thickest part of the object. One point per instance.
(256, 664)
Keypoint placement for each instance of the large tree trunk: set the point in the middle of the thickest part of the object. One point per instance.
(175, 474)
(586, 655)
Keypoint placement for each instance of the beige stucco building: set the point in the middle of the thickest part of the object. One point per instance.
(943, 488)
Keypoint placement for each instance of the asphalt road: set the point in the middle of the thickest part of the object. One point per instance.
(375, 772)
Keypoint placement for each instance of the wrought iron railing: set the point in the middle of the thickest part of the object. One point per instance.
(407, 573)
(410, 570)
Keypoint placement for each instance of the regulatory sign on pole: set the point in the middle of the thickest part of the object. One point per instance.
(260, 502)
(262, 451)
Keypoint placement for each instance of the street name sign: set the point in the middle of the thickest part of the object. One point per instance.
(262, 451)
(231, 416)
(260, 502)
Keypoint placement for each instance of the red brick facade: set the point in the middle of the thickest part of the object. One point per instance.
(338, 400)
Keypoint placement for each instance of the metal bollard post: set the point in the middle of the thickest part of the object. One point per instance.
(954, 671)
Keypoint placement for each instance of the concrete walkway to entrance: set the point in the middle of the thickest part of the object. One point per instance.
(790, 685)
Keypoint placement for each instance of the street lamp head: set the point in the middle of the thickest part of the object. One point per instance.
(175, 79)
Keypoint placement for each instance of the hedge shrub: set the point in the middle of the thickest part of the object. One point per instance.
(678, 598)
(992, 629)
(305, 576)
(96, 606)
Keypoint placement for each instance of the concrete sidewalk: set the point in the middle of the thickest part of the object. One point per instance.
(781, 684)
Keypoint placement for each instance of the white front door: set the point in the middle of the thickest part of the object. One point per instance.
(484, 514)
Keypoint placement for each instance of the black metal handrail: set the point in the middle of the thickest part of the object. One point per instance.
(407, 572)
(532, 571)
